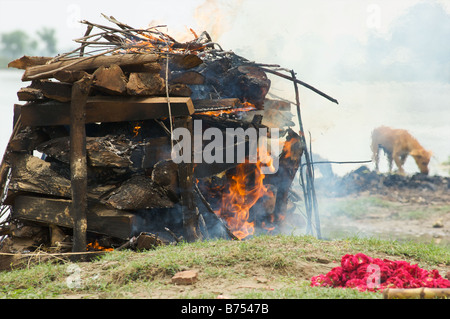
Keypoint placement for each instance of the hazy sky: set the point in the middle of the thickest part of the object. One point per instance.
(344, 33)
(386, 61)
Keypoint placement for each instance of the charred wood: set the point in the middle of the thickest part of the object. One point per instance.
(107, 151)
(139, 192)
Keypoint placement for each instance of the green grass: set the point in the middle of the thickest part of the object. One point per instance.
(225, 267)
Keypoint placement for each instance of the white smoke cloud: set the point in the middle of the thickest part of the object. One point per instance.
(385, 61)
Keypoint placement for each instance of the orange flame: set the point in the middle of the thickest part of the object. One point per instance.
(95, 246)
(136, 129)
(246, 108)
(245, 189)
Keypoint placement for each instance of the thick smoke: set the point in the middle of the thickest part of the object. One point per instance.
(385, 62)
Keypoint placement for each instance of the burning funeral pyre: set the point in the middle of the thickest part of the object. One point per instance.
(91, 156)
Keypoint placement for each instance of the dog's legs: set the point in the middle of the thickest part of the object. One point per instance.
(399, 161)
(389, 156)
(376, 155)
(403, 159)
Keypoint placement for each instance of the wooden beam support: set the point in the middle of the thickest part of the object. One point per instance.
(106, 109)
(78, 162)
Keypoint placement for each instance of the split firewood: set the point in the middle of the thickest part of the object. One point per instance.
(107, 151)
(184, 62)
(27, 140)
(139, 192)
(179, 90)
(32, 174)
(190, 77)
(164, 173)
(110, 80)
(145, 84)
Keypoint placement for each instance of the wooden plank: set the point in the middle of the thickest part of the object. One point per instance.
(106, 109)
(100, 219)
(86, 63)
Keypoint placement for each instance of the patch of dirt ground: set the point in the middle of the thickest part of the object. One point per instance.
(365, 203)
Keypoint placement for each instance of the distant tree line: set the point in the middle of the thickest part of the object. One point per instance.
(16, 43)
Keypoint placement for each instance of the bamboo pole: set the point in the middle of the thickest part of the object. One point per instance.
(416, 293)
(310, 195)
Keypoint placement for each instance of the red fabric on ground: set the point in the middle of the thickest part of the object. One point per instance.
(373, 274)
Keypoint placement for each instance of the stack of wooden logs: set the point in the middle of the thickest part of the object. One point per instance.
(89, 159)
(131, 185)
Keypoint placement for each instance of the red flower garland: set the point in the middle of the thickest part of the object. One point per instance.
(373, 274)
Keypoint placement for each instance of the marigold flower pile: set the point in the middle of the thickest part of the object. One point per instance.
(360, 271)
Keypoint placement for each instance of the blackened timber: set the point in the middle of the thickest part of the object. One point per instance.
(30, 174)
(78, 162)
(106, 109)
(139, 192)
(108, 151)
(216, 104)
(100, 219)
(289, 163)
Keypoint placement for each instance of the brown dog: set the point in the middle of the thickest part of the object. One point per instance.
(397, 144)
